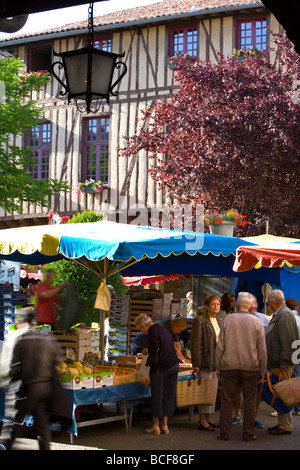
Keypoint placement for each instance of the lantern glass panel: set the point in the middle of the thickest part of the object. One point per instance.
(102, 71)
(76, 67)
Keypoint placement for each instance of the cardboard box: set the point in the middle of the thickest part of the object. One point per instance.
(103, 376)
(117, 336)
(83, 339)
(157, 316)
(103, 379)
(175, 306)
(80, 342)
(118, 327)
(77, 382)
(166, 314)
(168, 298)
(80, 352)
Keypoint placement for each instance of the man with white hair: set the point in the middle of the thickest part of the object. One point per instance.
(281, 334)
(241, 359)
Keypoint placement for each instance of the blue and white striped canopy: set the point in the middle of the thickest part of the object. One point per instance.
(134, 250)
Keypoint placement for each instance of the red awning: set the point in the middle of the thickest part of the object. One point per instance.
(248, 257)
(145, 280)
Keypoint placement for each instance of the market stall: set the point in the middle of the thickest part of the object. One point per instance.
(273, 254)
(286, 256)
(106, 248)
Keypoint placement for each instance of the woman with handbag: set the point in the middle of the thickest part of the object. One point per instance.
(164, 365)
(204, 337)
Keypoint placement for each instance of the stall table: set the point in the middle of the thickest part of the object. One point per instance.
(127, 395)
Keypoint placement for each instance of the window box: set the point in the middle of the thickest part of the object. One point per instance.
(89, 186)
(172, 59)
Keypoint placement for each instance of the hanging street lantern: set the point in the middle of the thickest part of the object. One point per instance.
(89, 73)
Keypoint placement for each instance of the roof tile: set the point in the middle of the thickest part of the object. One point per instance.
(161, 9)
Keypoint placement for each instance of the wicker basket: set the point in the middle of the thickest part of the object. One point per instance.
(125, 379)
(190, 393)
(288, 391)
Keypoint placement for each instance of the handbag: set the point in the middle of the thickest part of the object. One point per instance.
(152, 359)
(289, 391)
(268, 394)
(195, 392)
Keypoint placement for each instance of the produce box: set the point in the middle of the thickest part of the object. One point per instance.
(103, 379)
(75, 375)
(77, 382)
(103, 376)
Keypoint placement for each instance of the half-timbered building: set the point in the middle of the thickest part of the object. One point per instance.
(72, 146)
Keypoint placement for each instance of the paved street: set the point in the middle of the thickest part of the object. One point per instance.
(183, 436)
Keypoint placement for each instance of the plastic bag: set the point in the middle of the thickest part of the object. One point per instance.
(103, 298)
(144, 373)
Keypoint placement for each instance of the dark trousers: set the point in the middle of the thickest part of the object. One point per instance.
(37, 402)
(163, 390)
(248, 381)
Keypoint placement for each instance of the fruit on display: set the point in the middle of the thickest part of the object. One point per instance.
(75, 368)
(145, 381)
(87, 370)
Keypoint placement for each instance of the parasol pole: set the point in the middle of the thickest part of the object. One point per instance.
(267, 225)
(102, 334)
(265, 285)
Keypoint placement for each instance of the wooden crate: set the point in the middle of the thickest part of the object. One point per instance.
(136, 307)
(80, 342)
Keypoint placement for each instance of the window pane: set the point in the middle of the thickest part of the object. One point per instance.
(103, 44)
(184, 41)
(40, 141)
(252, 34)
(97, 155)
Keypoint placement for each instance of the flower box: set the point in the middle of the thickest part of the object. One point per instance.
(89, 186)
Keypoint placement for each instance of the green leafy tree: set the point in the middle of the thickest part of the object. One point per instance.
(18, 113)
(84, 281)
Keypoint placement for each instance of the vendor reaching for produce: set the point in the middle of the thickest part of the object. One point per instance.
(175, 326)
(47, 298)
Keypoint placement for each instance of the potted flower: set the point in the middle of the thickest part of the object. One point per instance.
(223, 223)
(89, 186)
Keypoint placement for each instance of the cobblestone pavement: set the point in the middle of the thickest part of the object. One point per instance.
(183, 436)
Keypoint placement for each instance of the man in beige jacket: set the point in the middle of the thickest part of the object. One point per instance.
(241, 358)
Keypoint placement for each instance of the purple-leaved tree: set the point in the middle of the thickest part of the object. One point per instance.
(230, 136)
